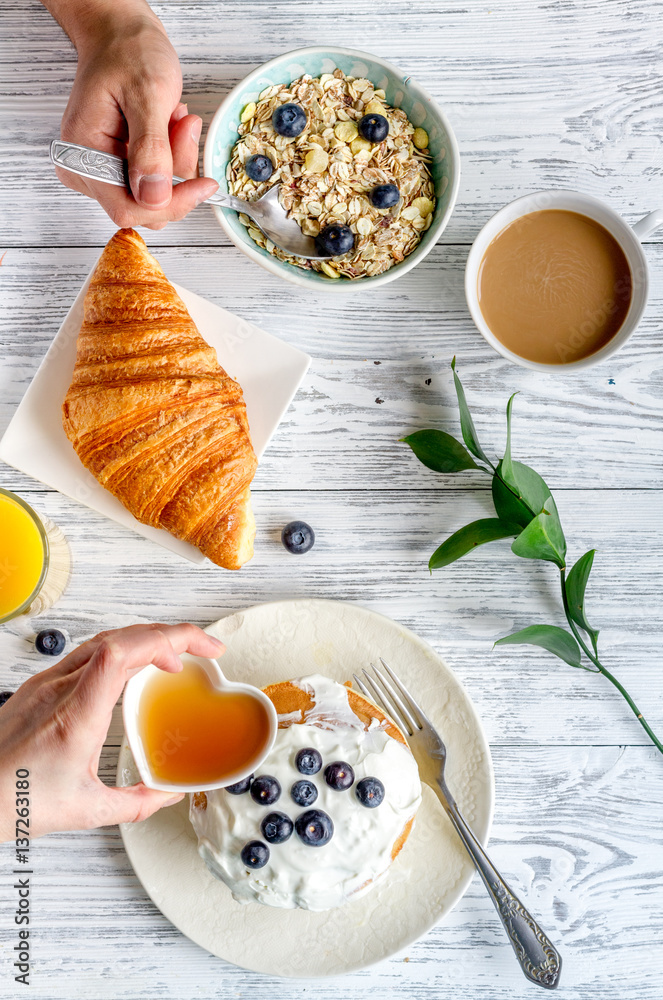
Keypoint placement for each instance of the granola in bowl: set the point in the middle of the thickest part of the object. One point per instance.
(331, 175)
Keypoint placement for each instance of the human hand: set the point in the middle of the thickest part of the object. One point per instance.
(126, 100)
(55, 725)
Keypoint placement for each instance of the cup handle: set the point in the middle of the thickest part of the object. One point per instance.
(649, 224)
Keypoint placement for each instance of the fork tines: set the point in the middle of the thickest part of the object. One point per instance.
(390, 694)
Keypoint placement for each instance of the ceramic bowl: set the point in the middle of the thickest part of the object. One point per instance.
(130, 717)
(401, 92)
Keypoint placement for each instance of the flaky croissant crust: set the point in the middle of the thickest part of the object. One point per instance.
(151, 413)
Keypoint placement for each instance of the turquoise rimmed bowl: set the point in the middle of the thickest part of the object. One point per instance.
(401, 92)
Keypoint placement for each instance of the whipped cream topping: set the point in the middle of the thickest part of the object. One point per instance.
(358, 854)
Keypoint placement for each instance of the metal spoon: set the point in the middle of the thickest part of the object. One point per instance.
(267, 212)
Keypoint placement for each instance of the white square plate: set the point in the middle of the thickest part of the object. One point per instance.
(268, 370)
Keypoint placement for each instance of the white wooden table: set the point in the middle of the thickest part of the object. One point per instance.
(539, 94)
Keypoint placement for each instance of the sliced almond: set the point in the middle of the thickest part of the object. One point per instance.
(358, 145)
(346, 131)
(424, 205)
(316, 161)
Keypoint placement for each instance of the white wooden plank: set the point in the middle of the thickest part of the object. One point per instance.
(381, 370)
(577, 833)
(540, 95)
(373, 550)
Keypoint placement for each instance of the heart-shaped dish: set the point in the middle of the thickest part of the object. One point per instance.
(133, 711)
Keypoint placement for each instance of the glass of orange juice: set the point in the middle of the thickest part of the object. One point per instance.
(34, 559)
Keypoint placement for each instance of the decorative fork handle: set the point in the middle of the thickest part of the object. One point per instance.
(538, 958)
(110, 169)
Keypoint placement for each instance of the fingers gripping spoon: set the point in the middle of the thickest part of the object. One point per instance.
(267, 212)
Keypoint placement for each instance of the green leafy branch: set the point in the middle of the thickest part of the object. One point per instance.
(527, 513)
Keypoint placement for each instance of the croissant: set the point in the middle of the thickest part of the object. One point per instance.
(151, 413)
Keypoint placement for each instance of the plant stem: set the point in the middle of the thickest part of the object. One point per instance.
(606, 673)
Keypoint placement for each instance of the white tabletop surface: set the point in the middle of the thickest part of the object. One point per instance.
(540, 95)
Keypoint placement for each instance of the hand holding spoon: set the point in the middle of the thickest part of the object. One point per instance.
(267, 212)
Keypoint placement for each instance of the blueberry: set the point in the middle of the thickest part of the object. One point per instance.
(314, 827)
(375, 128)
(265, 790)
(370, 792)
(240, 786)
(304, 793)
(298, 537)
(259, 168)
(308, 761)
(334, 240)
(276, 828)
(289, 120)
(50, 641)
(255, 854)
(385, 195)
(5, 696)
(339, 775)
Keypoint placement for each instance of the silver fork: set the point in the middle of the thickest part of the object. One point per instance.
(538, 958)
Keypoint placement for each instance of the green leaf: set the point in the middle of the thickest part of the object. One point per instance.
(543, 537)
(488, 529)
(506, 461)
(555, 640)
(526, 484)
(466, 423)
(533, 492)
(440, 451)
(575, 584)
(507, 504)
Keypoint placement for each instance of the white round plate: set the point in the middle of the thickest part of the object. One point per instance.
(279, 641)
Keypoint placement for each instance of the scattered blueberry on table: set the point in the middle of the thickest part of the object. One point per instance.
(314, 828)
(255, 854)
(289, 120)
(5, 696)
(276, 828)
(259, 167)
(373, 128)
(339, 775)
(304, 793)
(385, 196)
(265, 790)
(50, 642)
(240, 786)
(308, 761)
(298, 537)
(370, 792)
(335, 240)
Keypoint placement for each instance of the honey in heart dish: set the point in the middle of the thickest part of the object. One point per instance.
(554, 286)
(193, 732)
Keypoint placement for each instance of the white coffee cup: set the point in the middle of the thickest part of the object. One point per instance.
(628, 237)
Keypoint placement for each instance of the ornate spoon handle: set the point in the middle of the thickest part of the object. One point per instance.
(112, 169)
(537, 956)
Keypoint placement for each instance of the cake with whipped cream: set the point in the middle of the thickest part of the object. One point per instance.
(328, 811)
